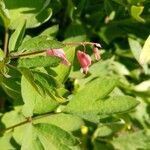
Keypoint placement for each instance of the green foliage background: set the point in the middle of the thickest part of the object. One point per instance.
(45, 105)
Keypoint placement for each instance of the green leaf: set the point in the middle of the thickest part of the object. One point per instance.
(136, 11)
(13, 117)
(67, 122)
(47, 136)
(12, 87)
(55, 137)
(34, 102)
(51, 31)
(145, 53)
(4, 15)
(40, 43)
(108, 129)
(135, 47)
(5, 141)
(30, 139)
(84, 103)
(17, 37)
(132, 141)
(34, 13)
(116, 104)
(39, 61)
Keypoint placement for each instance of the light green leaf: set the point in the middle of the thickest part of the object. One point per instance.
(13, 117)
(135, 47)
(5, 143)
(4, 15)
(40, 43)
(39, 61)
(55, 138)
(116, 104)
(34, 102)
(84, 103)
(145, 53)
(67, 122)
(47, 136)
(30, 141)
(51, 31)
(132, 141)
(17, 37)
(136, 11)
(35, 13)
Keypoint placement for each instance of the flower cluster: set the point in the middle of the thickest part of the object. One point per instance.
(83, 58)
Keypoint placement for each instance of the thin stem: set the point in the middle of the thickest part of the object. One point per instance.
(81, 43)
(6, 42)
(16, 55)
(30, 119)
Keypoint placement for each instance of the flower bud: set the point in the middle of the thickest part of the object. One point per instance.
(84, 60)
(96, 52)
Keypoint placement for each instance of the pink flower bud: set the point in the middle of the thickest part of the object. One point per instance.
(59, 53)
(84, 60)
(96, 52)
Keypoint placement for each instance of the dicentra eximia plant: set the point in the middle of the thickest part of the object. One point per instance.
(46, 102)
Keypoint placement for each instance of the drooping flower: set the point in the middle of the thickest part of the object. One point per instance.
(59, 53)
(84, 60)
(96, 52)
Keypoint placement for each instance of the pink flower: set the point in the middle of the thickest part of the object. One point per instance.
(59, 53)
(96, 52)
(84, 60)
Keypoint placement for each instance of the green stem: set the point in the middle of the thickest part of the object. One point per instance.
(18, 55)
(6, 43)
(28, 120)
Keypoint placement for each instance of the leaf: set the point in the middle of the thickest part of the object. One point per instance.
(5, 141)
(17, 37)
(67, 122)
(47, 136)
(13, 117)
(34, 13)
(51, 31)
(40, 43)
(39, 61)
(136, 11)
(145, 53)
(55, 137)
(108, 129)
(84, 103)
(4, 15)
(34, 102)
(135, 48)
(12, 87)
(30, 140)
(132, 141)
(116, 104)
